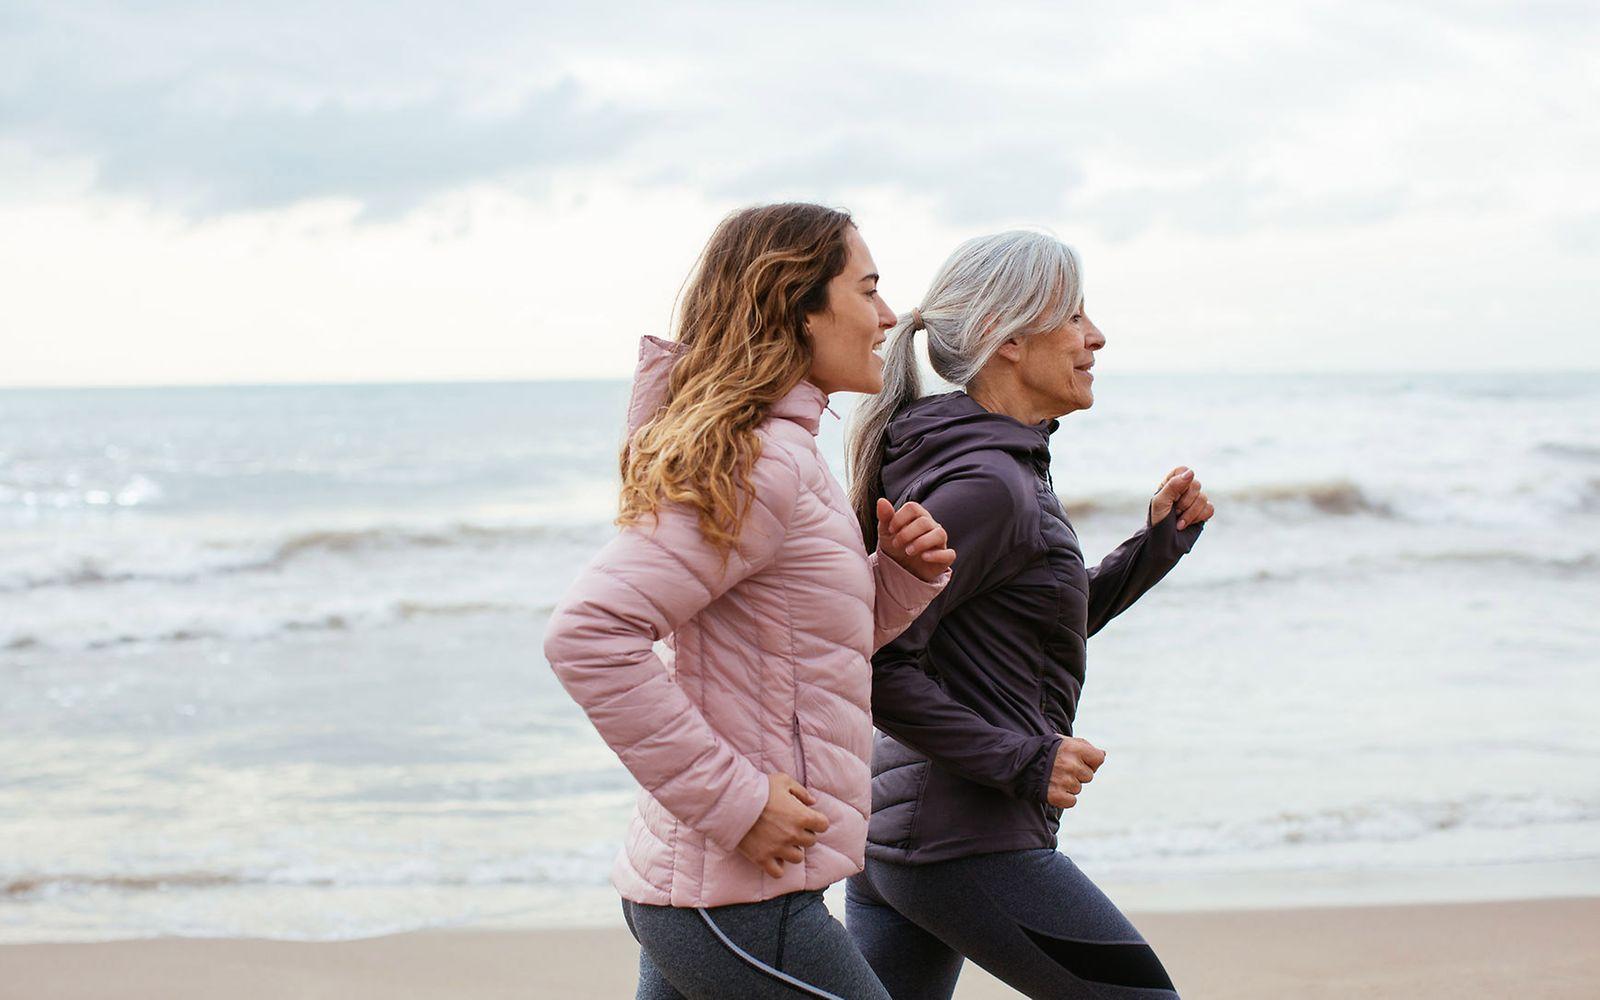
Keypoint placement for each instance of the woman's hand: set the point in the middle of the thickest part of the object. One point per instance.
(911, 537)
(1074, 766)
(1181, 490)
(785, 828)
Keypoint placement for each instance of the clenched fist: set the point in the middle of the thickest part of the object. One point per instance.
(1075, 764)
(786, 827)
(1181, 490)
(911, 537)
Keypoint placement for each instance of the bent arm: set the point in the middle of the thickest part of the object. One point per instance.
(979, 513)
(639, 589)
(1135, 566)
(911, 706)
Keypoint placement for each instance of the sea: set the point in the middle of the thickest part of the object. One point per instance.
(270, 656)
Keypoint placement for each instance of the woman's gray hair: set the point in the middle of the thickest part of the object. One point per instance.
(1012, 284)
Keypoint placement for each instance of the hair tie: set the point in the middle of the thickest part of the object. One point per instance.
(916, 319)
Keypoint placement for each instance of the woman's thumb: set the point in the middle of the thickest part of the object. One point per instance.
(1175, 485)
(885, 510)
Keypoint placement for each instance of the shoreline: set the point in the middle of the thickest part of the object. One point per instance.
(1525, 948)
(310, 915)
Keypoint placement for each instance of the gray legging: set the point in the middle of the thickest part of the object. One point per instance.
(786, 947)
(1029, 917)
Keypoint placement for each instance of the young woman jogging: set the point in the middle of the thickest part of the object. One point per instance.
(739, 549)
(977, 697)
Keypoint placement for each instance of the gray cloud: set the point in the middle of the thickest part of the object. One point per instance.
(147, 139)
(1165, 116)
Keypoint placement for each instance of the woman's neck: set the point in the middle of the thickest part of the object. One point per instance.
(1009, 400)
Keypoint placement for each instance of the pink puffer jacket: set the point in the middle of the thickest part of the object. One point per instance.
(766, 669)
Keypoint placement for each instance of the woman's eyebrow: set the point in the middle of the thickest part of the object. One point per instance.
(869, 277)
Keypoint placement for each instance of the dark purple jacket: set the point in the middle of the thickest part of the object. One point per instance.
(971, 698)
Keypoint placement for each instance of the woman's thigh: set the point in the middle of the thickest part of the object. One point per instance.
(785, 947)
(911, 963)
(1032, 919)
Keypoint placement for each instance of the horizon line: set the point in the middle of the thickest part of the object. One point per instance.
(577, 379)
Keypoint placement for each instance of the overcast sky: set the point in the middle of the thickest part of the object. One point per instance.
(229, 192)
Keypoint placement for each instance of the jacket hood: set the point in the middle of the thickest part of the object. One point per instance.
(803, 404)
(934, 431)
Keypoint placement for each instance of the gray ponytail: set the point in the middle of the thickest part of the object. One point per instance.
(863, 458)
(1012, 284)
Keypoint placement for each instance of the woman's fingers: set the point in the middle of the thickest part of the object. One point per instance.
(1186, 502)
(914, 539)
(908, 512)
(1175, 481)
(885, 512)
(921, 535)
(1195, 511)
(801, 792)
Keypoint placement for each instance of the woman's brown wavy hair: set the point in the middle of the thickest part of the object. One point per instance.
(741, 328)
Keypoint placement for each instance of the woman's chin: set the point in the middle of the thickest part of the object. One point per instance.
(871, 379)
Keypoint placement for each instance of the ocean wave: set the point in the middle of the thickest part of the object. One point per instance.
(1339, 497)
(207, 563)
(42, 884)
(1578, 563)
(580, 867)
(1372, 822)
(394, 612)
(1568, 449)
(1336, 498)
(1362, 567)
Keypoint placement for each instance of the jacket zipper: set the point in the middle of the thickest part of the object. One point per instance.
(799, 748)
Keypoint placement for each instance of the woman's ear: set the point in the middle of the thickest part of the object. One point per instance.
(1010, 349)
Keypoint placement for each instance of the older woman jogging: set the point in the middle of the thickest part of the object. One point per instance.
(977, 698)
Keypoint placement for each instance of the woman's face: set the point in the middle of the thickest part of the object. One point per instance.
(845, 336)
(1053, 367)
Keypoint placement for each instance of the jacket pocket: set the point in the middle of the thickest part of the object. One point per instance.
(799, 749)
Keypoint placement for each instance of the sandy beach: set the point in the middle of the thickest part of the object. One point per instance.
(1524, 949)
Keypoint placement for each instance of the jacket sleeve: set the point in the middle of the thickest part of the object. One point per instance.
(900, 596)
(1135, 566)
(639, 589)
(976, 510)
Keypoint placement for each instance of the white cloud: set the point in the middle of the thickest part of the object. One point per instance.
(200, 191)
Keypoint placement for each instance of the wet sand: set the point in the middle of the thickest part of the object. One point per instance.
(1525, 949)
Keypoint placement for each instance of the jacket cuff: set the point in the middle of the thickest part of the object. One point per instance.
(908, 592)
(1034, 781)
(1166, 540)
(736, 810)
